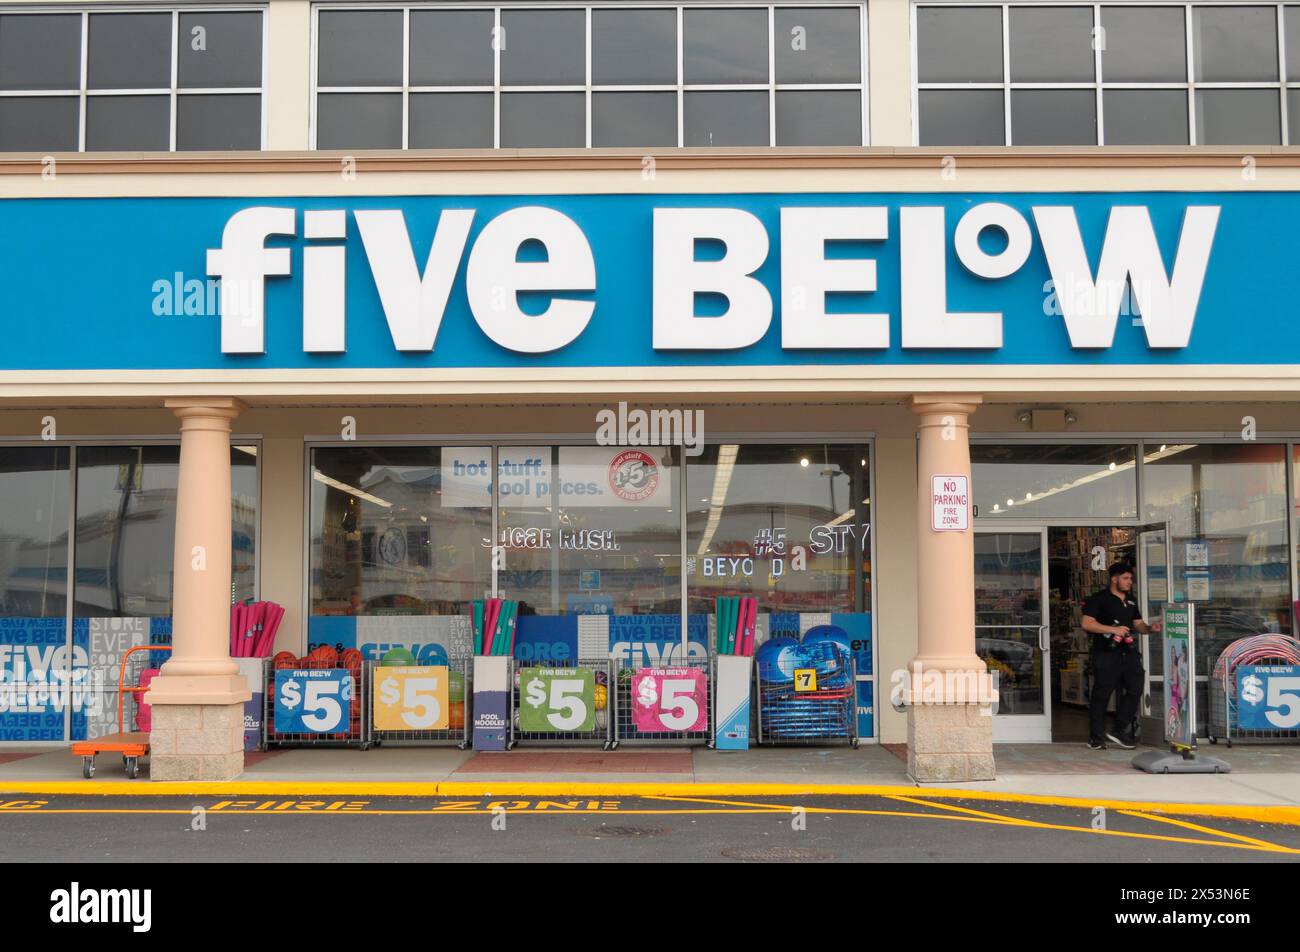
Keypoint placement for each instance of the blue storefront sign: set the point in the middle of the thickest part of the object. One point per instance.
(436, 282)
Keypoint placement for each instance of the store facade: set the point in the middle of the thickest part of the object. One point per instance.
(616, 384)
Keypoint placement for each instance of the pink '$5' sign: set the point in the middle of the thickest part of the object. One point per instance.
(669, 699)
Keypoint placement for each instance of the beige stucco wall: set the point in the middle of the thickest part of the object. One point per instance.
(889, 60)
(612, 172)
(288, 74)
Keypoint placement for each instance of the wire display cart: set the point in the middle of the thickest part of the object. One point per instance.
(809, 709)
(602, 730)
(460, 719)
(648, 700)
(353, 724)
(1223, 721)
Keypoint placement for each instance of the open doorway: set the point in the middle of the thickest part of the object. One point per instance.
(1030, 586)
(1077, 563)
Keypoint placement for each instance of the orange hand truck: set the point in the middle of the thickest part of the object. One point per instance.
(131, 744)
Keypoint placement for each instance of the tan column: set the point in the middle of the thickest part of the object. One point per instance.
(945, 583)
(950, 724)
(198, 699)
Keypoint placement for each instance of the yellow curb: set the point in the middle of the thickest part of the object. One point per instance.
(1277, 814)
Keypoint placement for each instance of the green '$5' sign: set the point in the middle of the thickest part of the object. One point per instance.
(557, 700)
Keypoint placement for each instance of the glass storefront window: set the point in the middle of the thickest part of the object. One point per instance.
(34, 489)
(1056, 481)
(581, 531)
(789, 524)
(1227, 513)
(123, 544)
(528, 527)
(589, 542)
(126, 526)
(34, 484)
(402, 530)
(591, 530)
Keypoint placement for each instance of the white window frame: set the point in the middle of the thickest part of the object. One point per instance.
(772, 87)
(173, 90)
(1190, 85)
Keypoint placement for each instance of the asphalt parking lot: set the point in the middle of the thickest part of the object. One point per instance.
(810, 829)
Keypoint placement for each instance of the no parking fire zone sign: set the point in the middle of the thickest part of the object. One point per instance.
(950, 504)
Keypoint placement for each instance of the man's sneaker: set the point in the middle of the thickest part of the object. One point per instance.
(1096, 745)
(1122, 740)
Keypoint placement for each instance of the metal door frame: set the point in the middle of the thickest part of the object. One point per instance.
(1145, 596)
(1029, 728)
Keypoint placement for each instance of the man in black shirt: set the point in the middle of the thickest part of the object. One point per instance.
(1111, 617)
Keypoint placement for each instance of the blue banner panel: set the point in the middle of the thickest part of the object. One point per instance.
(1154, 278)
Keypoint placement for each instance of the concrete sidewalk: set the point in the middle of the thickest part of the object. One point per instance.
(1261, 776)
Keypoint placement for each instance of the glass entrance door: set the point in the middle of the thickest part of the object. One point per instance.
(1011, 629)
(1153, 591)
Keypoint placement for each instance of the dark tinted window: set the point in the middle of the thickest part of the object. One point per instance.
(959, 45)
(40, 51)
(633, 47)
(129, 51)
(1144, 45)
(359, 48)
(544, 48)
(814, 45)
(724, 46)
(219, 49)
(451, 47)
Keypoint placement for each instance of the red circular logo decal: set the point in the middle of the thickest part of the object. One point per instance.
(633, 476)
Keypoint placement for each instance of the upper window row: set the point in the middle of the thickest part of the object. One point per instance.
(1102, 74)
(601, 76)
(1056, 73)
(147, 81)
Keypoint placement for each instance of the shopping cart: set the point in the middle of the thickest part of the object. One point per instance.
(132, 745)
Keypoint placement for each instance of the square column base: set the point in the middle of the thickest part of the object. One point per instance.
(196, 742)
(950, 743)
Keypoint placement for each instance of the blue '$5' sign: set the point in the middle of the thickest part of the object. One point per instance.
(1268, 697)
(313, 702)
